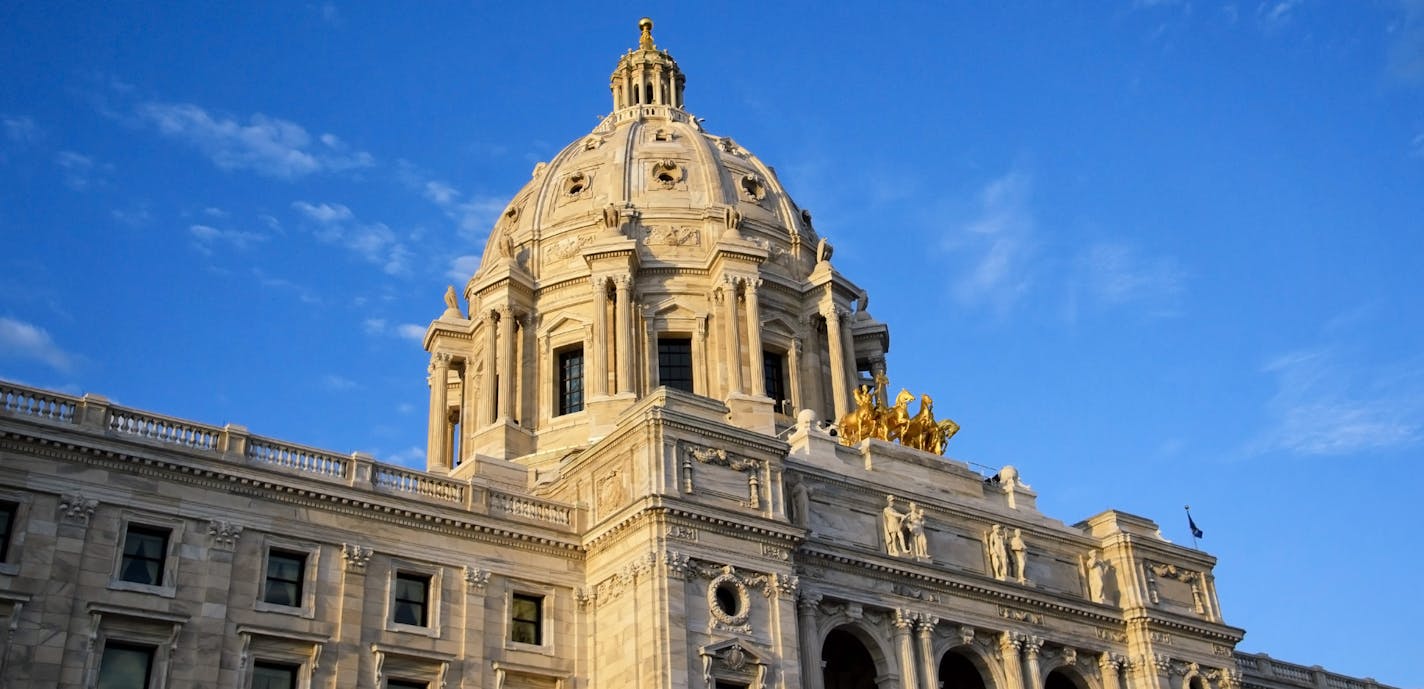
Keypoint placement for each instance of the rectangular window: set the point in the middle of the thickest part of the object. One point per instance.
(526, 625)
(774, 374)
(571, 381)
(412, 599)
(675, 363)
(406, 684)
(125, 666)
(266, 675)
(145, 549)
(284, 577)
(8, 510)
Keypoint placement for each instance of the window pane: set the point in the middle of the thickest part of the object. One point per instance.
(145, 549)
(570, 391)
(675, 363)
(284, 577)
(273, 676)
(526, 612)
(125, 667)
(411, 594)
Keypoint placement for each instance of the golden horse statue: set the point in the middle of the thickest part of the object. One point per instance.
(859, 423)
(896, 418)
(921, 430)
(871, 419)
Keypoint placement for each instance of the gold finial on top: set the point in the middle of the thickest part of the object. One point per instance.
(645, 41)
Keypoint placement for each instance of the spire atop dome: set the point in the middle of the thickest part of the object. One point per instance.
(647, 76)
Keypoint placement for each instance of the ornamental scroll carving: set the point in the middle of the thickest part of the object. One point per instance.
(75, 508)
(1193, 579)
(715, 456)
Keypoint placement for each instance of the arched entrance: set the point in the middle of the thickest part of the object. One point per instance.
(1063, 678)
(956, 671)
(847, 663)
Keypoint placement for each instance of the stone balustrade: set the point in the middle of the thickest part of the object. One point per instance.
(1259, 670)
(232, 443)
(23, 401)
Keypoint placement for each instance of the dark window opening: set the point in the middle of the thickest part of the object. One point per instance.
(284, 577)
(406, 684)
(412, 599)
(125, 666)
(675, 363)
(774, 375)
(846, 664)
(957, 671)
(526, 625)
(145, 549)
(8, 511)
(570, 381)
(267, 675)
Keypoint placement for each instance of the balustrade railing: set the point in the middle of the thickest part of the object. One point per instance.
(531, 508)
(163, 429)
(398, 480)
(1270, 672)
(24, 401)
(302, 460)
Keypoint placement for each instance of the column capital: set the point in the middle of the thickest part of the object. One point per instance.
(925, 623)
(1032, 645)
(1010, 643)
(622, 282)
(904, 621)
(440, 360)
(808, 601)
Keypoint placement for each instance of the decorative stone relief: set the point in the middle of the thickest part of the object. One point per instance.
(1112, 635)
(1020, 615)
(578, 185)
(76, 509)
(475, 578)
(611, 491)
(356, 556)
(224, 534)
(1020, 551)
(728, 602)
(676, 563)
(775, 552)
(905, 531)
(672, 236)
(914, 592)
(753, 188)
(734, 661)
(1193, 579)
(1096, 570)
(668, 174)
(566, 248)
(966, 635)
(998, 551)
(681, 532)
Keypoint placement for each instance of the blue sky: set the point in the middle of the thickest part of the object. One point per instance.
(1152, 253)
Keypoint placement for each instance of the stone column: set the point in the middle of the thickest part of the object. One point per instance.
(754, 353)
(507, 366)
(734, 355)
(924, 634)
(877, 369)
(469, 403)
(624, 335)
(436, 452)
(806, 608)
(1109, 666)
(905, 650)
(491, 385)
(793, 366)
(1031, 647)
(596, 375)
(700, 382)
(839, 395)
(1013, 667)
(848, 352)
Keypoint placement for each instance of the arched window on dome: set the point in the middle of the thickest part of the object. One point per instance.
(647, 93)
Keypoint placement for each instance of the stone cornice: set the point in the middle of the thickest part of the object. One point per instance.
(279, 487)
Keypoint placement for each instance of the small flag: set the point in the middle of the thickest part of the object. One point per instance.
(1196, 532)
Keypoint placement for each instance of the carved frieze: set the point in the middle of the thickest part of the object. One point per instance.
(681, 532)
(476, 578)
(611, 492)
(566, 248)
(1018, 615)
(356, 557)
(672, 236)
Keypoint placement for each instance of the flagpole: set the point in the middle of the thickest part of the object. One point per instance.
(1193, 531)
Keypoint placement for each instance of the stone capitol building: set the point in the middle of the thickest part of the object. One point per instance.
(664, 453)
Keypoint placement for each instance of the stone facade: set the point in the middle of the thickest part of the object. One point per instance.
(629, 484)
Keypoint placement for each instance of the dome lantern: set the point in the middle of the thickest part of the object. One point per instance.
(646, 76)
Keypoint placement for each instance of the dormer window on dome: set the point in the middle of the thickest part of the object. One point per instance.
(646, 76)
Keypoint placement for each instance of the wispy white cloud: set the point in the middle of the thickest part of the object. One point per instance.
(135, 216)
(280, 284)
(1115, 274)
(24, 341)
(376, 242)
(20, 129)
(1416, 146)
(1325, 404)
(381, 327)
(997, 245)
(206, 236)
(339, 384)
(462, 268)
(267, 145)
(1275, 13)
(80, 171)
(1406, 42)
